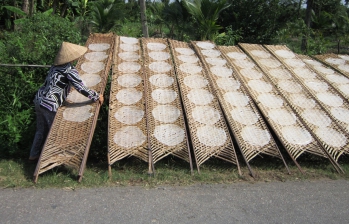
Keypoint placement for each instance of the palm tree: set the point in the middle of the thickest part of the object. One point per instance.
(206, 14)
(104, 15)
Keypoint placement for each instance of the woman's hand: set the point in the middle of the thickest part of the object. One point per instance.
(101, 99)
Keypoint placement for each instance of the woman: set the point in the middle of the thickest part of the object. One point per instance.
(61, 76)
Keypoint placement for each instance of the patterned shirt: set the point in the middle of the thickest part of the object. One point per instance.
(57, 86)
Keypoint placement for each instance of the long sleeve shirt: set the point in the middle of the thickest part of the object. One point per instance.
(57, 86)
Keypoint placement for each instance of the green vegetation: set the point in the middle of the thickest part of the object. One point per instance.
(169, 171)
(32, 34)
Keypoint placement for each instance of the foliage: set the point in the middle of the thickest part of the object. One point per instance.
(104, 15)
(229, 37)
(36, 41)
(206, 14)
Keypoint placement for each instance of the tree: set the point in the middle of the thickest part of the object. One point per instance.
(206, 14)
(105, 14)
(144, 19)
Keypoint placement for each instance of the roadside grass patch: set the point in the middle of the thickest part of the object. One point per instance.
(168, 172)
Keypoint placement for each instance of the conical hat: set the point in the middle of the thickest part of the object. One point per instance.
(69, 52)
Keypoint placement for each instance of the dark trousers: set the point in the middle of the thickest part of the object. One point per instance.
(44, 119)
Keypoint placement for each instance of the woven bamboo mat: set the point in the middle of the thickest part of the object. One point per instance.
(328, 97)
(208, 131)
(71, 133)
(336, 79)
(165, 120)
(127, 123)
(280, 119)
(332, 140)
(338, 62)
(243, 117)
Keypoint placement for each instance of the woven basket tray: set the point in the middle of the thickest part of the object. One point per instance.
(338, 62)
(301, 109)
(283, 116)
(321, 90)
(336, 79)
(127, 123)
(70, 136)
(165, 120)
(244, 119)
(208, 139)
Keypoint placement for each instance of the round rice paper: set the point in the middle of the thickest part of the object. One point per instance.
(260, 86)
(251, 73)
(270, 63)
(295, 63)
(190, 68)
(129, 80)
(164, 96)
(200, 96)
(99, 47)
(237, 55)
(92, 66)
(228, 84)
(280, 73)
(169, 134)
(211, 135)
(282, 116)
(205, 45)
(188, 58)
(296, 135)
(316, 117)
(330, 99)
(129, 47)
(129, 40)
(211, 53)
(317, 86)
(184, 51)
(255, 136)
(77, 114)
(96, 56)
(331, 137)
(236, 99)
(335, 61)
(166, 113)
(339, 79)
(129, 137)
(344, 67)
(341, 114)
(129, 56)
(129, 96)
(90, 79)
(324, 70)
(156, 46)
(129, 67)
(129, 114)
(221, 71)
(290, 86)
(270, 100)
(206, 115)
(260, 54)
(159, 56)
(244, 63)
(216, 61)
(285, 53)
(160, 67)
(195, 81)
(302, 101)
(244, 115)
(161, 80)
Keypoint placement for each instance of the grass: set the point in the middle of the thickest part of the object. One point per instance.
(170, 171)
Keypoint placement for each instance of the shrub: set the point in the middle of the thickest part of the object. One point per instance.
(35, 41)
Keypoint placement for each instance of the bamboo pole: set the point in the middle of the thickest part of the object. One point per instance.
(21, 65)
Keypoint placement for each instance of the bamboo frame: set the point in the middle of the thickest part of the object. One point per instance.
(68, 142)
